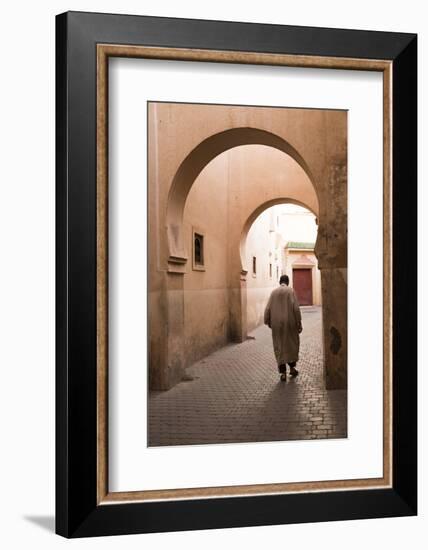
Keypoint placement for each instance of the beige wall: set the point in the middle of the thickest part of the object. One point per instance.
(206, 300)
(297, 224)
(264, 245)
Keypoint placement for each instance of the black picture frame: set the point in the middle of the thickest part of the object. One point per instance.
(77, 512)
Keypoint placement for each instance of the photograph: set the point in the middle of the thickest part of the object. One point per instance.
(212, 302)
(247, 273)
(236, 249)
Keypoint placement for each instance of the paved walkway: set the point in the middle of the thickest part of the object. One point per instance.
(236, 396)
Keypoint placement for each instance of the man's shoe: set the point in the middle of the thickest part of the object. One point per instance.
(293, 371)
(283, 377)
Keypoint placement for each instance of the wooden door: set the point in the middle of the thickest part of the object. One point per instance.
(302, 284)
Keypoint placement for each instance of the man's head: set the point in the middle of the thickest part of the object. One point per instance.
(284, 280)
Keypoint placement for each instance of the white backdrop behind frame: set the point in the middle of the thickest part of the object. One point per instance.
(133, 466)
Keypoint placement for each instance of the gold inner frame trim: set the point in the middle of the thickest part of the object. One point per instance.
(104, 51)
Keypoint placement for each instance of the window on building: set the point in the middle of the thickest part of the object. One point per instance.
(254, 265)
(198, 249)
(270, 271)
(277, 272)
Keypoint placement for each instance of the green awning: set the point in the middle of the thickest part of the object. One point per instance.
(300, 245)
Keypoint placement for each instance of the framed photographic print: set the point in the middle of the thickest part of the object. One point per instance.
(236, 274)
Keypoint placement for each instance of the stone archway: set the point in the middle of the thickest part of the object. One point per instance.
(242, 313)
(194, 163)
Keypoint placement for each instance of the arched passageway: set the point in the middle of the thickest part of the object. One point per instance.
(246, 195)
(199, 158)
(280, 241)
(257, 212)
(225, 199)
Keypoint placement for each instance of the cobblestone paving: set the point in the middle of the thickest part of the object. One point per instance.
(236, 396)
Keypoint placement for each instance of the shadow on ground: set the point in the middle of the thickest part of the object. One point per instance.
(45, 522)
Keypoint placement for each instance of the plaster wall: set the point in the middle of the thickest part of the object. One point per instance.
(206, 299)
(264, 245)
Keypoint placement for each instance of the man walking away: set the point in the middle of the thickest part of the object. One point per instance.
(282, 315)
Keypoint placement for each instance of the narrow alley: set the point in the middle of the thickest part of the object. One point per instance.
(235, 395)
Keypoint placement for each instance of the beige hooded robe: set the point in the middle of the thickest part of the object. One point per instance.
(282, 315)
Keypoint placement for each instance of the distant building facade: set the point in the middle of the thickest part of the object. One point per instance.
(301, 265)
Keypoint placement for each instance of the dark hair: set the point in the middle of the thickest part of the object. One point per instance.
(284, 280)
